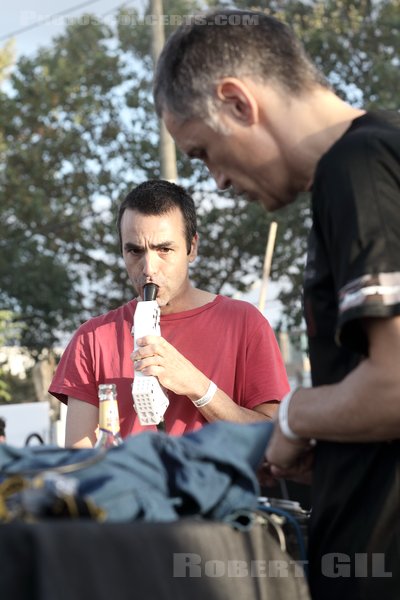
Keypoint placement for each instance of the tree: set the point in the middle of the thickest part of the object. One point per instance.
(61, 154)
(78, 130)
(10, 333)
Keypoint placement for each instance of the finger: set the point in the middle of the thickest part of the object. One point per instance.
(148, 340)
(143, 362)
(145, 352)
(153, 370)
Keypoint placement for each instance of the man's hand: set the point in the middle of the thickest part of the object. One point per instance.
(155, 356)
(289, 459)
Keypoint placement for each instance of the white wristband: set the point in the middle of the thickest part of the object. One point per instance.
(284, 417)
(208, 396)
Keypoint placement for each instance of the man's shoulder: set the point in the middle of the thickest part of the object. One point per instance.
(374, 135)
(366, 133)
(377, 120)
(240, 307)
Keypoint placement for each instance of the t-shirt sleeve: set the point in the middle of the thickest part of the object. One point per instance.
(75, 373)
(360, 224)
(266, 378)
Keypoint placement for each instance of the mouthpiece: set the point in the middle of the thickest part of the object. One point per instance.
(150, 291)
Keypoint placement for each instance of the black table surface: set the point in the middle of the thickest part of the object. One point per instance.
(185, 560)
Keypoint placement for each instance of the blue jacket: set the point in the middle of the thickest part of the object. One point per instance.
(209, 473)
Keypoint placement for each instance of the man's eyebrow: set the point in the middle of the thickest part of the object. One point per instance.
(164, 244)
(130, 246)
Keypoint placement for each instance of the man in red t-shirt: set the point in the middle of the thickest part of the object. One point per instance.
(207, 341)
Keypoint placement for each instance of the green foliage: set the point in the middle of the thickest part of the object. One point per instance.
(10, 333)
(61, 152)
(10, 330)
(355, 43)
(18, 390)
(78, 130)
(229, 226)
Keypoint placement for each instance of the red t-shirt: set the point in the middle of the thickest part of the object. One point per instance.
(230, 341)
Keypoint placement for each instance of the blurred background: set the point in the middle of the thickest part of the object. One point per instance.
(78, 131)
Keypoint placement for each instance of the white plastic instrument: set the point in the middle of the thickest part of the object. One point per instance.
(149, 399)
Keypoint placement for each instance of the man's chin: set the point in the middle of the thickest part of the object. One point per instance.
(265, 201)
(162, 302)
(255, 198)
(274, 203)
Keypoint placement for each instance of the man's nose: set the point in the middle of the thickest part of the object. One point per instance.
(223, 182)
(149, 263)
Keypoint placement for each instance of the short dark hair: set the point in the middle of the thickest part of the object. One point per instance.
(157, 197)
(2, 426)
(228, 43)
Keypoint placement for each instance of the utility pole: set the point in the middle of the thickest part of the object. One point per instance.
(267, 264)
(167, 146)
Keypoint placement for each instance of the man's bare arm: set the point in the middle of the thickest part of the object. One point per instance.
(176, 373)
(364, 407)
(81, 425)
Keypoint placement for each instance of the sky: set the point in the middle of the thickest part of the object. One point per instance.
(46, 21)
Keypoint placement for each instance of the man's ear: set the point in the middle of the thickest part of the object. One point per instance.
(194, 247)
(238, 99)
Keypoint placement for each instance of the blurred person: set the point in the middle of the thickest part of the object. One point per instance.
(237, 91)
(2, 431)
(205, 337)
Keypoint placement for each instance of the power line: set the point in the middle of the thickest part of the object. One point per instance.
(112, 10)
(49, 18)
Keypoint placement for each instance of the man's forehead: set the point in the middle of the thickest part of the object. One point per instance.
(166, 225)
(163, 218)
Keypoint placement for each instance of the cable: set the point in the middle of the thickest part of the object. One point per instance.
(296, 528)
(112, 10)
(38, 24)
